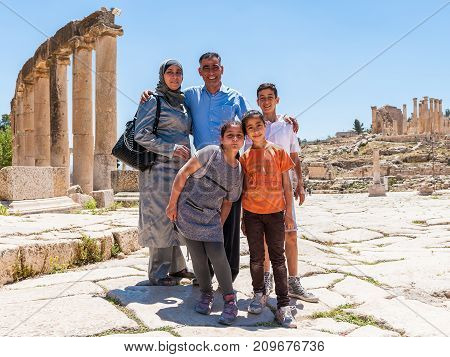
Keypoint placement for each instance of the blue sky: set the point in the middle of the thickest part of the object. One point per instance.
(305, 47)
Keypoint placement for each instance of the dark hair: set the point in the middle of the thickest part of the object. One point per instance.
(250, 114)
(226, 126)
(209, 55)
(267, 86)
(229, 124)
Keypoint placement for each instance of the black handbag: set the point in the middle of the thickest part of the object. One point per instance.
(129, 151)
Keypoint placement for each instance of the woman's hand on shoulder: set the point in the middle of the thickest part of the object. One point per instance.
(182, 151)
(146, 95)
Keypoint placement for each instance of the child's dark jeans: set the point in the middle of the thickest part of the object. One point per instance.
(272, 227)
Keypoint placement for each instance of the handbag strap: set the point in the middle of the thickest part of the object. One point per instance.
(158, 115)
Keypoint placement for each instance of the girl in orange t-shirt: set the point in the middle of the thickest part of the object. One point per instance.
(267, 211)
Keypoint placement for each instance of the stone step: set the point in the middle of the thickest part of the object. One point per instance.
(126, 197)
(55, 204)
(55, 251)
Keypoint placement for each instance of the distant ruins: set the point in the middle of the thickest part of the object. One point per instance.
(425, 120)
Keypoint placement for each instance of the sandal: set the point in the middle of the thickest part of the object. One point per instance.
(183, 274)
(166, 281)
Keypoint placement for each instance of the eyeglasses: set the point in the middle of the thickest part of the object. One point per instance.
(213, 68)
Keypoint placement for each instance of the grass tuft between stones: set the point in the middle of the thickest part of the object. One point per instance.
(132, 316)
(365, 278)
(57, 267)
(88, 251)
(90, 204)
(339, 314)
(22, 271)
(115, 250)
(419, 221)
(3, 211)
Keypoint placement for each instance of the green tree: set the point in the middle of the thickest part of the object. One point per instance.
(447, 112)
(5, 121)
(358, 126)
(5, 141)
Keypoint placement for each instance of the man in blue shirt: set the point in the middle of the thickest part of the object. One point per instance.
(213, 103)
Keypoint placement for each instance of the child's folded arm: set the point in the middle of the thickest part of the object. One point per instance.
(178, 184)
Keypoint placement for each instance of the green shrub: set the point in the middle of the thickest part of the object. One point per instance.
(88, 251)
(91, 204)
(3, 211)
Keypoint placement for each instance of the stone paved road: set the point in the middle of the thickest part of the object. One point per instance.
(379, 265)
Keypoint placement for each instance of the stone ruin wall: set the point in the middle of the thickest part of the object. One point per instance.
(39, 109)
(427, 119)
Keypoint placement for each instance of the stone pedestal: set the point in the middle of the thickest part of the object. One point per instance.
(105, 108)
(28, 183)
(377, 188)
(104, 198)
(82, 122)
(426, 190)
(125, 180)
(42, 117)
(60, 156)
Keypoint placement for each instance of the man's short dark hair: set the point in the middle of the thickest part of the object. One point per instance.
(208, 55)
(267, 86)
(251, 114)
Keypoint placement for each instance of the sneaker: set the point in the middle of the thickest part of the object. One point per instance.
(284, 317)
(257, 304)
(297, 291)
(268, 282)
(205, 303)
(230, 310)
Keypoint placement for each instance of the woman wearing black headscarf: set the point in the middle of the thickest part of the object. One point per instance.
(171, 143)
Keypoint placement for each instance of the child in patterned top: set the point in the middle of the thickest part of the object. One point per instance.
(201, 199)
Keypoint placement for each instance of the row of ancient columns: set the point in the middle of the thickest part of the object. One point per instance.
(430, 118)
(41, 112)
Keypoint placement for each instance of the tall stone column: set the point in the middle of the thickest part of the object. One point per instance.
(42, 117)
(436, 117)
(59, 127)
(426, 115)
(414, 121)
(82, 121)
(374, 120)
(402, 130)
(28, 123)
(20, 148)
(12, 117)
(431, 126)
(441, 118)
(105, 106)
(421, 121)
